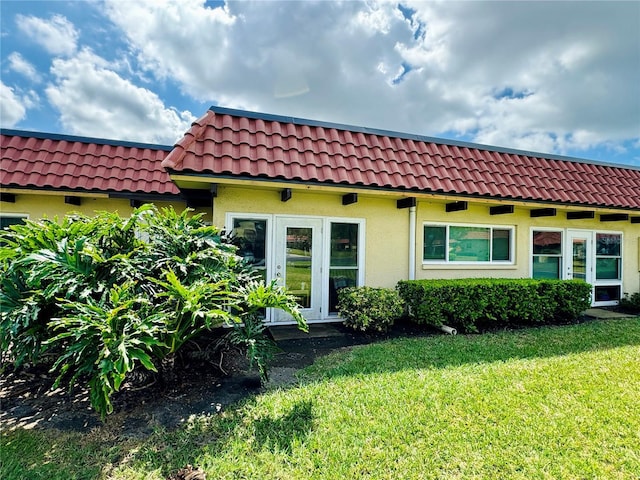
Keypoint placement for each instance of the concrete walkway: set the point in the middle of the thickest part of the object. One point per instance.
(602, 313)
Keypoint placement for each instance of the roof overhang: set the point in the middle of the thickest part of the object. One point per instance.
(204, 182)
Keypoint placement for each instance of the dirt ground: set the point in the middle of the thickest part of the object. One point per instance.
(27, 399)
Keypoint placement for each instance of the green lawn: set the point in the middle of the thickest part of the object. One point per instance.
(548, 403)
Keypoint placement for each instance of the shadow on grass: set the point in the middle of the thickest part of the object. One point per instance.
(440, 351)
(280, 433)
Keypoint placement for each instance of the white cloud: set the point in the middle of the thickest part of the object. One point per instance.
(57, 35)
(12, 108)
(535, 75)
(165, 31)
(94, 100)
(14, 104)
(548, 76)
(18, 64)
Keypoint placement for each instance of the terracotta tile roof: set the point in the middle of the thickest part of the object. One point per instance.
(51, 161)
(226, 142)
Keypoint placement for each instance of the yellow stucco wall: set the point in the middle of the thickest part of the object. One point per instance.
(387, 230)
(478, 214)
(386, 227)
(386, 239)
(39, 205)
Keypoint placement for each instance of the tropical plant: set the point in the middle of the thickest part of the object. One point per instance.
(104, 294)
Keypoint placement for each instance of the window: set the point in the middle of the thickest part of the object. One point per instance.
(608, 256)
(547, 254)
(466, 243)
(343, 260)
(249, 235)
(608, 283)
(7, 220)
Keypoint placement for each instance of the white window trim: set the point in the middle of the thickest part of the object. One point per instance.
(326, 267)
(512, 244)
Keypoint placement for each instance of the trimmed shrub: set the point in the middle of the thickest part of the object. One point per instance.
(368, 308)
(473, 304)
(630, 303)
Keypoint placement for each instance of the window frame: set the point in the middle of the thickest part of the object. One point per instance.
(360, 254)
(561, 255)
(599, 256)
(490, 227)
(607, 283)
(230, 219)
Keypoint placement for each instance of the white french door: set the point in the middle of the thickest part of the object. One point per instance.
(313, 257)
(297, 264)
(579, 263)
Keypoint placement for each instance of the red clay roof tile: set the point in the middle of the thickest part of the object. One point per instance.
(41, 160)
(277, 148)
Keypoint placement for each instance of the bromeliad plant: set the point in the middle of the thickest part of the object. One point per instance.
(105, 294)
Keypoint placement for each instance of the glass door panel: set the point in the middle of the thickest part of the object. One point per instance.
(299, 261)
(343, 260)
(580, 247)
(579, 258)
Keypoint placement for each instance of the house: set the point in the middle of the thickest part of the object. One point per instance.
(320, 206)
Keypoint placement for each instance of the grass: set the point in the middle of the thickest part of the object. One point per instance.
(547, 403)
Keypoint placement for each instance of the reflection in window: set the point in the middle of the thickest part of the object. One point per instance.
(343, 260)
(299, 264)
(435, 240)
(501, 245)
(607, 293)
(468, 244)
(458, 243)
(12, 220)
(249, 235)
(547, 243)
(547, 254)
(608, 244)
(608, 256)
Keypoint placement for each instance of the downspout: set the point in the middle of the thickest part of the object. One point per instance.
(412, 243)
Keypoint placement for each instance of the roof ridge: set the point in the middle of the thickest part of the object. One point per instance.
(80, 139)
(410, 136)
(176, 155)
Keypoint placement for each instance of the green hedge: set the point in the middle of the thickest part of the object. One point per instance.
(630, 303)
(368, 308)
(473, 304)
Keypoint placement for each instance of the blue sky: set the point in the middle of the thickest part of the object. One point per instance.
(550, 77)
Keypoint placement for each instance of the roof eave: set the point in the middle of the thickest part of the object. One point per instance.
(220, 178)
